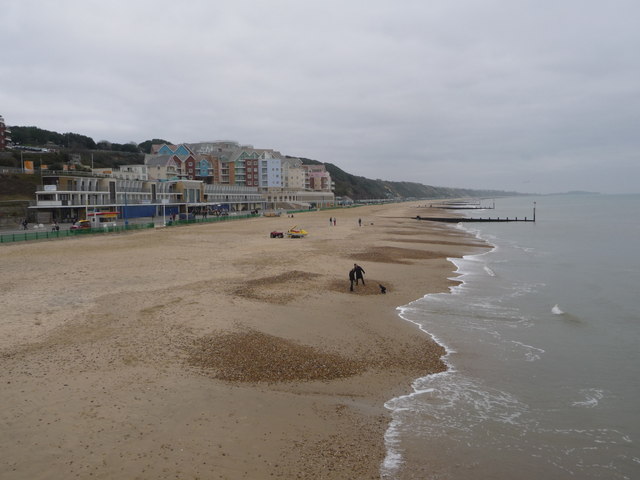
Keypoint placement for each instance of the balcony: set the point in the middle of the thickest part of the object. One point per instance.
(73, 173)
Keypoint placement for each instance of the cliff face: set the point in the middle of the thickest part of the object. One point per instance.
(16, 186)
(16, 192)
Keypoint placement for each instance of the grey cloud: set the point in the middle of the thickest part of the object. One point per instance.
(526, 95)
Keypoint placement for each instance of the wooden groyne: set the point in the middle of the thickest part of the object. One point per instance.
(460, 208)
(488, 219)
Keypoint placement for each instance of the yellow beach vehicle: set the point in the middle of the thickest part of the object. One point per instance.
(295, 232)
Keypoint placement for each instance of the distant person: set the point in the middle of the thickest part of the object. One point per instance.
(359, 222)
(352, 278)
(330, 221)
(359, 272)
(25, 224)
(334, 221)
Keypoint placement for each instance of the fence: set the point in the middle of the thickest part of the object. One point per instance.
(29, 235)
(50, 235)
(53, 234)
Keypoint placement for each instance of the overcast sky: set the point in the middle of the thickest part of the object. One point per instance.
(534, 96)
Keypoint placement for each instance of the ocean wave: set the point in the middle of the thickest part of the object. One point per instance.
(393, 459)
(525, 288)
(403, 313)
(446, 404)
(531, 353)
(592, 397)
(451, 401)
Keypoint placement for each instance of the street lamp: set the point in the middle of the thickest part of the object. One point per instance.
(126, 220)
(164, 205)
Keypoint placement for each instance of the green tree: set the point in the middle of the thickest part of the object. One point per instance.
(76, 141)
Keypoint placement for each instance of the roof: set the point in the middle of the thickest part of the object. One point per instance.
(159, 160)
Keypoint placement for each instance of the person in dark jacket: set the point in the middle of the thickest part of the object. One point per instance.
(352, 278)
(359, 272)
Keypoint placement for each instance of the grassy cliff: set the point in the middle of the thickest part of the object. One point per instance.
(361, 188)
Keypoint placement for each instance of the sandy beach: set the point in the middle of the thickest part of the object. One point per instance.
(212, 351)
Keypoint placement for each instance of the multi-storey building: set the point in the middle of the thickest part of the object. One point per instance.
(270, 169)
(227, 173)
(239, 166)
(228, 168)
(252, 170)
(75, 195)
(5, 135)
(183, 162)
(293, 174)
(282, 180)
(317, 178)
(161, 167)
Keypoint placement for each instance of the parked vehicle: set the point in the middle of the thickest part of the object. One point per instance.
(295, 232)
(81, 225)
(103, 218)
(275, 234)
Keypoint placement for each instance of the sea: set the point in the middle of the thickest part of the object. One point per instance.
(543, 349)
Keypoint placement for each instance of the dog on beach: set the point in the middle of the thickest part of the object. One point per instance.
(383, 289)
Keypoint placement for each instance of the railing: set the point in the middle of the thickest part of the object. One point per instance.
(53, 234)
(72, 173)
(11, 170)
(49, 235)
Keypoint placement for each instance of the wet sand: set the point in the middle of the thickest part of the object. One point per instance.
(213, 351)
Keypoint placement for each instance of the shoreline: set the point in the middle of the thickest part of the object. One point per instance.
(102, 370)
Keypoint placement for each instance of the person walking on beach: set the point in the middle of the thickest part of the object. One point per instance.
(334, 221)
(359, 272)
(352, 278)
(330, 221)
(359, 222)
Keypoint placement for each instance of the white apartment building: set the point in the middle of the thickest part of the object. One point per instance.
(293, 174)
